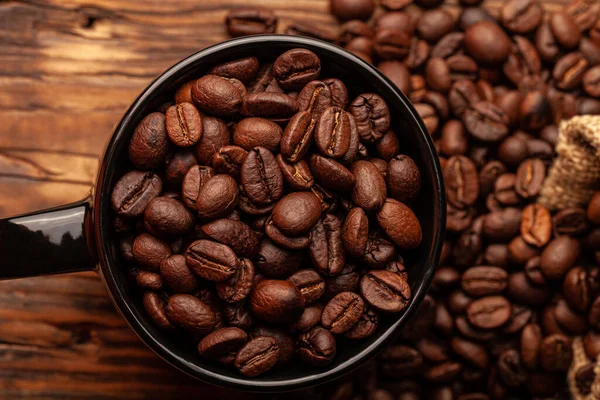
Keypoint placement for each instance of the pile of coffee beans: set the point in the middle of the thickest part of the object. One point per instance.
(517, 282)
(270, 213)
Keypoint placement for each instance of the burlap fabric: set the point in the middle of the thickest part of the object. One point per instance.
(572, 179)
(575, 173)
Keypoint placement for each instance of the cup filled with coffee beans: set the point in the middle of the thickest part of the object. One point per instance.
(267, 215)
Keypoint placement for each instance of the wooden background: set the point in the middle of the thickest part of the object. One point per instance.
(68, 70)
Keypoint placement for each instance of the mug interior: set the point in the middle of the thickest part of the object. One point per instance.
(415, 142)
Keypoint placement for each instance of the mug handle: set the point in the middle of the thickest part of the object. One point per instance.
(52, 241)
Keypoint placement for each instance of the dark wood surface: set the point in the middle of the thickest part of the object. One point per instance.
(68, 70)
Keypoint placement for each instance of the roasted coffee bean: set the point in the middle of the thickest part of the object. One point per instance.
(184, 93)
(471, 352)
(471, 15)
(345, 281)
(536, 225)
(486, 122)
(390, 44)
(403, 178)
(283, 240)
(502, 225)
(178, 166)
(150, 143)
(342, 312)
(239, 286)
(212, 261)
(277, 262)
(214, 136)
(133, 192)
(462, 181)
(353, 29)
(193, 181)
(284, 340)
(238, 315)
(510, 368)
(217, 197)
(190, 313)
(332, 132)
(357, 9)
(388, 146)
(385, 291)
(487, 43)
(295, 68)
(400, 361)
(243, 69)
(257, 356)
(298, 136)
(149, 252)
(484, 281)
(310, 284)
(372, 116)
(276, 302)
(400, 224)
(261, 177)
(445, 277)
(331, 174)
(165, 216)
(156, 308)
(365, 327)
(556, 353)
(177, 275)
(520, 252)
(297, 213)
(504, 190)
(565, 29)
(250, 21)
(591, 81)
(326, 249)
(269, 105)
(184, 124)
(149, 280)
(569, 71)
(222, 342)
(316, 347)
(462, 95)
(253, 132)
(489, 312)
(521, 16)
(530, 177)
(397, 72)
(429, 117)
(568, 320)
(355, 232)
(434, 24)
(454, 140)
(218, 96)
(559, 256)
(310, 318)
(488, 175)
(296, 175)
(370, 190)
(315, 97)
(229, 160)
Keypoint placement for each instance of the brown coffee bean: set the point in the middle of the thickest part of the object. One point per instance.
(565, 29)
(556, 353)
(489, 312)
(217, 197)
(283, 240)
(315, 97)
(400, 224)
(513, 150)
(276, 302)
(150, 143)
(462, 181)
(331, 174)
(165, 216)
(345, 281)
(445, 277)
(390, 44)
(530, 177)
(184, 124)
(298, 136)
(310, 284)
(520, 252)
(211, 260)
(536, 225)
(403, 178)
(365, 327)
(521, 16)
(276, 262)
(297, 213)
(214, 136)
(372, 116)
(484, 281)
(568, 320)
(296, 175)
(190, 313)
(471, 352)
(347, 10)
(149, 252)
(326, 249)
(253, 132)
(486, 122)
(295, 68)
(454, 140)
(156, 308)
(462, 95)
(250, 21)
(272, 105)
(385, 291)
(370, 190)
(342, 312)
(309, 319)
(177, 275)
(355, 232)
(332, 132)
(218, 96)
(434, 24)
(400, 361)
(397, 72)
(511, 369)
(559, 256)
(222, 342)
(487, 43)
(261, 177)
(184, 93)
(569, 71)
(257, 356)
(149, 280)
(239, 286)
(193, 181)
(133, 192)
(316, 347)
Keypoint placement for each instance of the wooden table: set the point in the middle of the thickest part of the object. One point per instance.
(68, 70)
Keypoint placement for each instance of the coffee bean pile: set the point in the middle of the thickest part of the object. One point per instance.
(265, 226)
(516, 282)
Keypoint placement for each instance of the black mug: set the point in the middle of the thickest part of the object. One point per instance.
(80, 236)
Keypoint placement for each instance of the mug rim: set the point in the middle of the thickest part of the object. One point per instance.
(107, 271)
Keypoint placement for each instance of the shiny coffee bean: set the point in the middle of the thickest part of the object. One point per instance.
(316, 347)
(489, 312)
(250, 21)
(257, 356)
(276, 302)
(385, 291)
(342, 312)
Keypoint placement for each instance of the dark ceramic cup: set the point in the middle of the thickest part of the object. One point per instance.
(80, 237)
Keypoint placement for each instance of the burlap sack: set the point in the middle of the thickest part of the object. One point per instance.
(581, 360)
(575, 173)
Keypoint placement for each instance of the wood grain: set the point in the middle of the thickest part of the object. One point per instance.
(68, 70)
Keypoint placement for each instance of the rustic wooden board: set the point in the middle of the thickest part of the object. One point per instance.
(68, 70)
